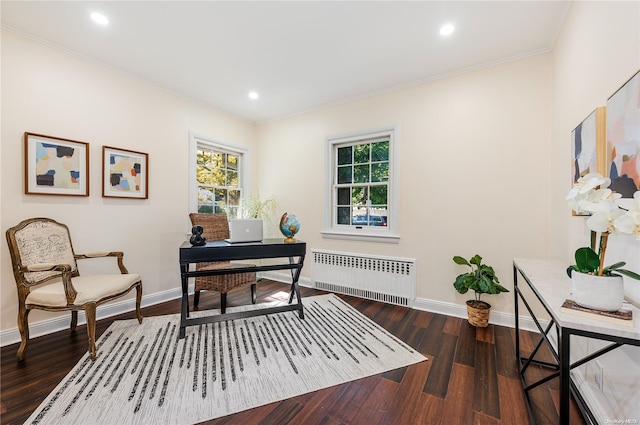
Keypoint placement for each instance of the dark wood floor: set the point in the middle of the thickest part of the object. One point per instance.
(471, 377)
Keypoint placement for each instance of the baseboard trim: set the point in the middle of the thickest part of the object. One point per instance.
(499, 318)
(44, 327)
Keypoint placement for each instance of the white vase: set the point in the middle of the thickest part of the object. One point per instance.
(604, 293)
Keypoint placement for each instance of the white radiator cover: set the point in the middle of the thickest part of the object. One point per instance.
(387, 279)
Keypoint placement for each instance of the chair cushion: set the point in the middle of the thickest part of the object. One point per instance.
(91, 288)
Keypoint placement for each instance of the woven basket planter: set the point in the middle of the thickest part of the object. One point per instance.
(478, 313)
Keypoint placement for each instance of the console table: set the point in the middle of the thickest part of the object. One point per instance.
(551, 286)
(225, 251)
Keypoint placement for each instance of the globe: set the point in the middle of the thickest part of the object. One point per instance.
(289, 226)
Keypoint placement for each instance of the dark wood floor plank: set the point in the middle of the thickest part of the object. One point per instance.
(379, 399)
(575, 417)
(406, 331)
(319, 405)
(482, 419)
(458, 406)
(452, 326)
(486, 398)
(513, 407)
(506, 363)
(430, 341)
(466, 354)
(395, 375)
(423, 319)
(486, 334)
(282, 414)
(373, 410)
(408, 394)
(356, 393)
(432, 409)
(437, 383)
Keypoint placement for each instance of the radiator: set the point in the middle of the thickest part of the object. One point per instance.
(387, 279)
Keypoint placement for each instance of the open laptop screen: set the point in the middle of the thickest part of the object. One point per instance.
(245, 230)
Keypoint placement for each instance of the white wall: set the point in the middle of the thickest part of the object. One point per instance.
(473, 167)
(597, 50)
(50, 92)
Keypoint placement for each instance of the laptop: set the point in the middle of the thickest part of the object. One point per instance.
(245, 230)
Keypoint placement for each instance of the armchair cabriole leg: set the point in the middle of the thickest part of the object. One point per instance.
(253, 293)
(23, 327)
(74, 320)
(90, 310)
(139, 301)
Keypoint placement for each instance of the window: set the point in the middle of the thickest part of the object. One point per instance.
(216, 177)
(361, 186)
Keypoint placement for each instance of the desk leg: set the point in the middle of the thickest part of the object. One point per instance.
(295, 289)
(184, 310)
(515, 308)
(565, 394)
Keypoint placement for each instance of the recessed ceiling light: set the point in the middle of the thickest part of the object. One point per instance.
(253, 95)
(99, 18)
(447, 30)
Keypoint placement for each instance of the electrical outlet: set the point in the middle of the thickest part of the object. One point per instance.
(599, 376)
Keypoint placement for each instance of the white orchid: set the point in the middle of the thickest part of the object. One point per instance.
(583, 188)
(609, 214)
(629, 222)
(602, 220)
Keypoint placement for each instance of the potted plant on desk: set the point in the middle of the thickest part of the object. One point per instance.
(594, 285)
(482, 280)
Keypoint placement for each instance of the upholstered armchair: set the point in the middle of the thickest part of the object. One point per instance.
(216, 228)
(47, 277)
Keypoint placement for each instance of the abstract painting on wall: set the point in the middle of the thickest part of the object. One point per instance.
(125, 173)
(55, 166)
(623, 138)
(588, 147)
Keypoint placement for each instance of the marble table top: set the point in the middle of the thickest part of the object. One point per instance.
(549, 280)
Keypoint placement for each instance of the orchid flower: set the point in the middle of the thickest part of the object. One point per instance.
(629, 222)
(609, 214)
(583, 188)
(604, 216)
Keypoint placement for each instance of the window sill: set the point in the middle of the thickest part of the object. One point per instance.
(369, 237)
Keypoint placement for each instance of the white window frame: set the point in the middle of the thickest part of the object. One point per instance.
(243, 174)
(387, 234)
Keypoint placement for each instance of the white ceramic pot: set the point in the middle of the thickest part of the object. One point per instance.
(604, 293)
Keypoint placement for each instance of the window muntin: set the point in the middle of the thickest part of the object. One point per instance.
(218, 180)
(361, 183)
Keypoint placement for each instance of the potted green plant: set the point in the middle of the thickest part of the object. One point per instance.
(594, 285)
(481, 279)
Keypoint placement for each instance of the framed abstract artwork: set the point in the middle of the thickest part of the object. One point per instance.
(588, 147)
(125, 173)
(623, 138)
(55, 166)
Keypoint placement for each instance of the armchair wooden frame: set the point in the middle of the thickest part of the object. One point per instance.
(30, 275)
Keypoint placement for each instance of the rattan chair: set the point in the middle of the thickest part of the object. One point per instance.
(216, 228)
(47, 277)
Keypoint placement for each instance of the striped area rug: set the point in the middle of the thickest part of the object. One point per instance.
(144, 374)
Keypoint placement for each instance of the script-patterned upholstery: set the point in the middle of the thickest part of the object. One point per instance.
(216, 228)
(47, 277)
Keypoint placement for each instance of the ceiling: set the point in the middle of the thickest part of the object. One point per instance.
(297, 55)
